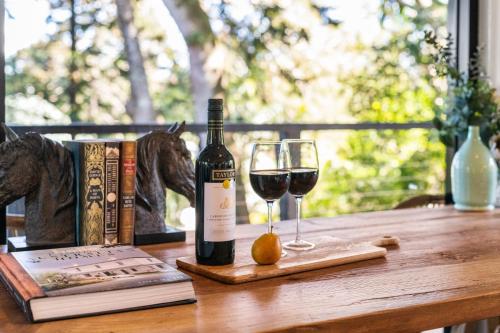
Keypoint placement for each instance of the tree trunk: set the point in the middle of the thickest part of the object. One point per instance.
(201, 88)
(73, 113)
(140, 105)
(194, 26)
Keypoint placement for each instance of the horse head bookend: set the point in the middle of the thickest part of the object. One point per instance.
(41, 170)
(163, 161)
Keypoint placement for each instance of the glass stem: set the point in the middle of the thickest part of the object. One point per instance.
(298, 201)
(269, 216)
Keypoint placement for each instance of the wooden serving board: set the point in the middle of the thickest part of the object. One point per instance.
(329, 251)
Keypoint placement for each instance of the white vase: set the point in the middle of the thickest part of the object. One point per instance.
(497, 202)
(474, 174)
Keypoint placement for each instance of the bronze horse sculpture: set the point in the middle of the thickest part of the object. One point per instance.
(163, 161)
(40, 169)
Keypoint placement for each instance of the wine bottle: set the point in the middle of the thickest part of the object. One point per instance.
(215, 195)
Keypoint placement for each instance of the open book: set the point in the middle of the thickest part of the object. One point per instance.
(89, 280)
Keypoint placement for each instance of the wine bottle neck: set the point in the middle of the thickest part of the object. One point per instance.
(215, 137)
(215, 128)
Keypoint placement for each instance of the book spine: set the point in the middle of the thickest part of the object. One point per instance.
(111, 195)
(92, 193)
(19, 284)
(17, 297)
(127, 192)
(74, 147)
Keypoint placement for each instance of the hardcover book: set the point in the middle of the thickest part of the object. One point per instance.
(89, 160)
(111, 197)
(90, 280)
(127, 191)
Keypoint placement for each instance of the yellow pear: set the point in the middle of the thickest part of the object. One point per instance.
(266, 250)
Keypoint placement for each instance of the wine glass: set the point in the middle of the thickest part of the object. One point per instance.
(269, 173)
(304, 172)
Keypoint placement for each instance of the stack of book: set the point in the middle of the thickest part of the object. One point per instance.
(90, 280)
(105, 172)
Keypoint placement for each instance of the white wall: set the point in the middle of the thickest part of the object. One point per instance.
(489, 38)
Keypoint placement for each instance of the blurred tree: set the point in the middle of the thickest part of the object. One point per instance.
(240, 55)
(275, 63)
(72, 65)
(265, 70)
(81, 66)
(378, 169)
(72, 86)
(140, 105)
(245, 63)
(194, 26)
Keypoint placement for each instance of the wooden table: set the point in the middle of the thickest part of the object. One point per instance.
(446, 271)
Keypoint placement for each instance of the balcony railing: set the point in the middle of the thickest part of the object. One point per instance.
(286, 130)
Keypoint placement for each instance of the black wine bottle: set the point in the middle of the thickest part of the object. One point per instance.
(215, 195)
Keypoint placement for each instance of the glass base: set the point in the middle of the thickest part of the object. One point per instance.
(301, 245)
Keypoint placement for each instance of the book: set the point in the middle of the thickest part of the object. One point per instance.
(111, 192)
(90, 280)
(89, 162)
(127, 192)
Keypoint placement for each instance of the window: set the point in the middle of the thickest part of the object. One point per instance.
(316, 64)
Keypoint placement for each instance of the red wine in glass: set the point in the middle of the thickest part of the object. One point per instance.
(302, 180)
(304, 172)
(270, 185)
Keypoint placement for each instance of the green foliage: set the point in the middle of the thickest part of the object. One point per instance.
(471, 99)
(264, 41)
(96, 73)
(270, 73)
(174, 98)
(71, 62)
(378, 169)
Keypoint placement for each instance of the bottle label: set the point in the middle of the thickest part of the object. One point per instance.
(220, 210)
(223, 174)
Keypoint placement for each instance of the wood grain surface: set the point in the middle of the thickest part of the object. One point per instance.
(329, 251)
(445, 271)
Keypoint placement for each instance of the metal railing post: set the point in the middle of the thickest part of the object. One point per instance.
(287, 205)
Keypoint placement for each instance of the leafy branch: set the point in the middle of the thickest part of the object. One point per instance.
(471, 99)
